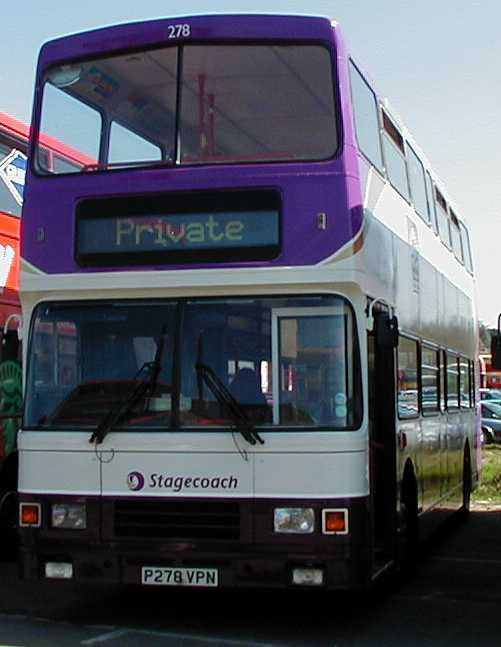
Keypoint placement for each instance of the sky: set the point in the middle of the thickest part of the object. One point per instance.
(437, 61)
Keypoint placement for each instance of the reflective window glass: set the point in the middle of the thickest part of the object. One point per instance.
(417, 182)
(72, 122)
(466, 247)
(457, 245)
(316, 382)
(365, 110)
(237, 103)
(208, 363)
(12, 175)
(452, 382)
(396, 167)
(126, 146)
(443, 381)
(464, 383)
(442, 219)
(430, 386)
(431, 202)
(407, 384)
(257, 103)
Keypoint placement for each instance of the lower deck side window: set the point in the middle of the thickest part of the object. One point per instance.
(407, 384)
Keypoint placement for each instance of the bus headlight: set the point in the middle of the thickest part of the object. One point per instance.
(300, 521)
(69, 515)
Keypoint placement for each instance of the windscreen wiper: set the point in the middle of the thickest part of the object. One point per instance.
(139, 391)
(104, 166)
(232, 406)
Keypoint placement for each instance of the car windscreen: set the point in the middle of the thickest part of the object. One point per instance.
(491, 410)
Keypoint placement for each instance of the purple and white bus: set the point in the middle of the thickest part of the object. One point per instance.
(249, 319)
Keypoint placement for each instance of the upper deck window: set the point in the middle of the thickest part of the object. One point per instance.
(418, 186)
(466, 247)
(457, 246)
(195, 104)
(126, 145)
(432, 213)
(72, 122)
(442, 218)
(394, 157)
(365, 111)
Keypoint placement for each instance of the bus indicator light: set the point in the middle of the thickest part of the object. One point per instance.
(335, 522)
(30, 515)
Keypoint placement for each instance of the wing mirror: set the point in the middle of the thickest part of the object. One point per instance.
(386, 330)
(19, 330)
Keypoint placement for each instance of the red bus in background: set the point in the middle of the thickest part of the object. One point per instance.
(489, 378)
(14, 137)
(13, 154)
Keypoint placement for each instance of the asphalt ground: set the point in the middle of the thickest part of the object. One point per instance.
(452, 599)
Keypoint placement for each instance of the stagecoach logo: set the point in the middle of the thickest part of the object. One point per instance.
(174, 483)
(135, 481)
(13, 173)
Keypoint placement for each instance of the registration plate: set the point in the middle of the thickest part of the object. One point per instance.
(167, 576)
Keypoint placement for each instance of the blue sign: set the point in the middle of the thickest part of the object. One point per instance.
(13, 173)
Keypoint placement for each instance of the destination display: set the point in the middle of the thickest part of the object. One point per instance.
(189, 236)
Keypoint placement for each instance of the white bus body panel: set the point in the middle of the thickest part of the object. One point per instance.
(62, 463)
(201, 465)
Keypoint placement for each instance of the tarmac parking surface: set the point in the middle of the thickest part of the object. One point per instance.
(454, 598)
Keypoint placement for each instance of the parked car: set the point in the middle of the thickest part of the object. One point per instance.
(487, 435)
(490, 394)
(490, 413)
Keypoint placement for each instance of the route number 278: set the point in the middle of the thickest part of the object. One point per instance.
(179, 31)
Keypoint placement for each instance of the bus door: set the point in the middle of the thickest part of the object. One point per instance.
(381, 343)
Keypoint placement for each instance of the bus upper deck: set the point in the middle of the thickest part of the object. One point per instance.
(220, 152)
(185, 122)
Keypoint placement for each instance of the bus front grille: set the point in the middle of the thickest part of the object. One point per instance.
(177, 520)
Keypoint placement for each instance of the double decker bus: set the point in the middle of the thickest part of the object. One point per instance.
(250, 320)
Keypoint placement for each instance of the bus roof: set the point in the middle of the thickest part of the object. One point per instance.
(208, 26)
(14, 126)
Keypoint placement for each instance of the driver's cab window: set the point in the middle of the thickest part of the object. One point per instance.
(56, 354)
(315, 379)
(225, 356)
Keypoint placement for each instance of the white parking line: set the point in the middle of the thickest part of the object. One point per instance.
(207, 639)
(111, 632)
(111, 635)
